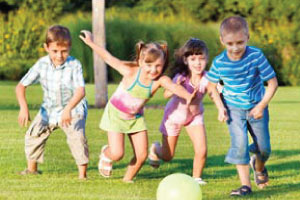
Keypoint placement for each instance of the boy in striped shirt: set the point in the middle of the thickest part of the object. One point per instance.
(243, 70)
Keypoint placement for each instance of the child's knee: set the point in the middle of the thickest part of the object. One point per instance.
(116, 155)
(167, 157)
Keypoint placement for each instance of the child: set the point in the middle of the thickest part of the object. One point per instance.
(64, 105)
(123, 114)
(190, 62)
(243, 69)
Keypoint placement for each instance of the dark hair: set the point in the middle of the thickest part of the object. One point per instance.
(234, 24)
(59, 34)
(193, 46)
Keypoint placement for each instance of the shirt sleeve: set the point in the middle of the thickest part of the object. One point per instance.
(266, 72)
(78, 75)
(213, 74)
(32, 76)
(178, 76)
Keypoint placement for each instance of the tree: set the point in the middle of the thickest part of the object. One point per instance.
(100, 71)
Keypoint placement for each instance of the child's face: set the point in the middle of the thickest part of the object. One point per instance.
(235, 43)
(153, 69)
(58, 53)
(196, 63)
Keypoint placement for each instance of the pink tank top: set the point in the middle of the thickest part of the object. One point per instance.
(130, 102)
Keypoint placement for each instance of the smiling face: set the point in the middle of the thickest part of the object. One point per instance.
(58, 53)
(153, 69)
(196, 63)
(235, 43)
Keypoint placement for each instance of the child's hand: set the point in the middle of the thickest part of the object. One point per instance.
(256, 112)
(66, 118)
(222, 115)
(192, 96)
(24, 117)
(86, 36)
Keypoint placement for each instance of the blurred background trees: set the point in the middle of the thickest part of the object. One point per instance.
(274, 25)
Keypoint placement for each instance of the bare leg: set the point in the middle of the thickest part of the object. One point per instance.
(114, 151)
(82, 171)
(139, 142)
(259, 167)
(198, 137)
(166, 151)
(32, 166)
(244, 174)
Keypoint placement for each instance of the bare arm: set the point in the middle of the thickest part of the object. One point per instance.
(215, 97)
(24, 117)
(114, 62)
(176, 89)
(257, 111)
(168, 93)
(77, 97)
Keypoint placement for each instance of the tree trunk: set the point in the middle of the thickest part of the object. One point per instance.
(100, 71)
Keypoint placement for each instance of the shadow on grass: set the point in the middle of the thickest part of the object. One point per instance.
(273, 191)
(285, 153)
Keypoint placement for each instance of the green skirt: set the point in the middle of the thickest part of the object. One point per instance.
(112, 122)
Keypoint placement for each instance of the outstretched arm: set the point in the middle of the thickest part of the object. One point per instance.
(215, 96)
(24, 117)
(176, 89)
(168, 93)
(114, 62)
(257, 111)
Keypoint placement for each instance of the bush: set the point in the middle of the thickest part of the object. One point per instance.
(122, 35)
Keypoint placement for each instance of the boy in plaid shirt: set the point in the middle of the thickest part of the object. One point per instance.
(64, 105)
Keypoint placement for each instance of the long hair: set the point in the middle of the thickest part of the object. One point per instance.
(193, 46)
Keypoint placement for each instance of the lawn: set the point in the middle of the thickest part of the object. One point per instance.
(59, 177)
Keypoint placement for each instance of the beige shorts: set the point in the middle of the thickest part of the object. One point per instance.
(39, 131)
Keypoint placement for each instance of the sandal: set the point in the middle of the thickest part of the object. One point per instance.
(101, 168)
(259, 177)
(153, 159)
(242, 191)
(200, 181)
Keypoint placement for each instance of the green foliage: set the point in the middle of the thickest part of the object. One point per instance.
(22, 34)
(122, 35)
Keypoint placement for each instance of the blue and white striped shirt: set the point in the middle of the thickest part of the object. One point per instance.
(243, 79)
(59, 84)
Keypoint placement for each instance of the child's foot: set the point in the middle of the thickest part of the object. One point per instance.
(28, 172)
(153, 159)
(242, 191)
(128, 181)
(200, 181)
(261, 178)
(82, 178)
(105, 164)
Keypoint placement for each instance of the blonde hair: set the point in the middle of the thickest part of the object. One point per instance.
(234, 24)
(59, 34)
(149, 52)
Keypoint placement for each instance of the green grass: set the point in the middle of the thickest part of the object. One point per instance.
(59, 178)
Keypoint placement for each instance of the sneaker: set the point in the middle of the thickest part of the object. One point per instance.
(200, 181)
(242, 191)
(153, 159)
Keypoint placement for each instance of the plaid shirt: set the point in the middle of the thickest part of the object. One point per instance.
(58, 84)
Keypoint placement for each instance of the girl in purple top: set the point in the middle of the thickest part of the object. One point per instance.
(191, 60)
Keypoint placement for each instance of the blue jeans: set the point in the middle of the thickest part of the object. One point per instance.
(239, 123)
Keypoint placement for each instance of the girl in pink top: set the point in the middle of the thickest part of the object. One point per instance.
(123, 114)
(191, 60)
